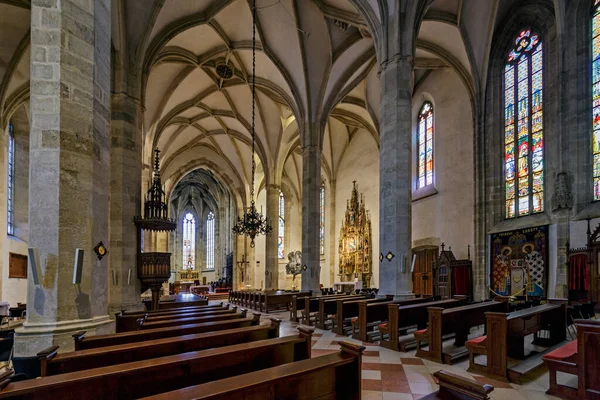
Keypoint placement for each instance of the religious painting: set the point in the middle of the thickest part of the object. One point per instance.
(519, 262)
(17, 266)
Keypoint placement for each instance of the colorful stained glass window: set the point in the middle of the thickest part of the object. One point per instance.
(322, 220)
(281, 230)
(596, 98)
(189, 241)
(425, 146)
(523, 132)
(210, 241)
(10, 193)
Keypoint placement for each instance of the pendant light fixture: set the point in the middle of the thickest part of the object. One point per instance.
(252, 223)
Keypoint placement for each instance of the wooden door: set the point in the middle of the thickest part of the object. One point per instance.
(422, 273)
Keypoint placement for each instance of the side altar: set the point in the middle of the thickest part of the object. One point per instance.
(355, 258)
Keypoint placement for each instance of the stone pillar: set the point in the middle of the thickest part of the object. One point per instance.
(271, 253)
(125, 202)
(311, 185)
(395, 176)
(68, 171)
(330, 243)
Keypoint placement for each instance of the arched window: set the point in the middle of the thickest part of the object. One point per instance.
(189, 241)
(425, 146)
(210, 241)
(281, 220)
(523, 135)
(10, 192)
(322, 220)
(596, 97)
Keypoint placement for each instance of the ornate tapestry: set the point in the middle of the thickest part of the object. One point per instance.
(519, 262)
(355, 241)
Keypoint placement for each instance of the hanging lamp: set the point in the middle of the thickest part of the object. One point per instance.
(252, 223)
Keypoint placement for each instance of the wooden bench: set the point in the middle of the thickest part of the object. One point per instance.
(52, 363)
(372, 314)
(269, 301)
(348, 309)
(566, 359)
(194, 314)
(332, 376)
(456, 387)
(403, 316)
(146, 324)
(82, 342)
(149, 377)
(328, 307)
(197, 301)
(506, 338)
(128, 323)
(311, 307)
(457, 320)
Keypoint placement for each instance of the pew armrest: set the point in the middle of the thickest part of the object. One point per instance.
(78, 337)
(349, 347)
(256, 316)
(457, 384)
(275, 321)
(48, 353)
(5, 377)
(244, 312)
(306, 332)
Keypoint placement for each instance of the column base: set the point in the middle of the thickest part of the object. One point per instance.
(115, 308)
(404, 295)
(32, 338)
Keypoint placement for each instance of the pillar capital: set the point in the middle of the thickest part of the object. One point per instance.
(398, 61)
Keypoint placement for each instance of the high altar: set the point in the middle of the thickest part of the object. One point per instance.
(355, 242)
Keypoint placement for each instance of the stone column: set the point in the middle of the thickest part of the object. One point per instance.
(271, 254)
(125, 202)
(330, 244)
(311, 185)
(395, 176)
(68, 171)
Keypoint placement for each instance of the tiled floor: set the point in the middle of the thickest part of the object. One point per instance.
(390, 375)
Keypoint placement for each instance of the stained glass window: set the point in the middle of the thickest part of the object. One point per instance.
(281, 230)
(523, 132)
(10, 193)
(210, 241)
(189, 241)
(425, 146)
(596, 97)
(322, 220)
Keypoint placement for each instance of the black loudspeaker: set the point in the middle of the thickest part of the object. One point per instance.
(36, 268)
(77, 266)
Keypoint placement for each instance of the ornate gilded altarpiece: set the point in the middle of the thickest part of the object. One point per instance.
(355, 248)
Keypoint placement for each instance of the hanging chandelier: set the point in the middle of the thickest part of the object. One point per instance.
(252, 223)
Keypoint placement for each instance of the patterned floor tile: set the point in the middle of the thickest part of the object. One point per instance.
(411, 361)
(368, 374)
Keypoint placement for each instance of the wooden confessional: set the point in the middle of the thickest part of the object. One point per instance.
(583, 263)
(452, 277)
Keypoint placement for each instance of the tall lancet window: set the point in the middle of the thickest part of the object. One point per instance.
(210, 241)
(189, 241)
(425, 146)
(322, 220)
(596, 97)
(10, 192)
(523, 132)
(281, 224)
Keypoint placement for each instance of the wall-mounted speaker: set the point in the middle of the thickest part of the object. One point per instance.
(114, 277)
(412, 265)
(78, 266)
(129, 277)
(36, 268)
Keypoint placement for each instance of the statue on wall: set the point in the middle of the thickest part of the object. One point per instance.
(294, 265)
(354, 249)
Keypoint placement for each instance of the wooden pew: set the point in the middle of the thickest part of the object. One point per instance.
(371, 314)
(328, 307)
(456, 387)
(53, 363)
(175, 310)
(82, 342)
(505, 338)
(348, 309)
(149, 377)
(271, 300)
(146, 325)
(311, 306)
(333, 376)
(567, 359)
(401, 316)
(299, 304)
(168, 305)
(128, 323)
(457, 320)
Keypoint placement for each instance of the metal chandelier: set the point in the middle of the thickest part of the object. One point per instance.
(252, 223)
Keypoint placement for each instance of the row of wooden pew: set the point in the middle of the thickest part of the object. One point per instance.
(265, 301)
(203, 352)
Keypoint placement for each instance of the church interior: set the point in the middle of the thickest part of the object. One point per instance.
(300, 199)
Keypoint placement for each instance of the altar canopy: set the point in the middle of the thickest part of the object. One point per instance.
(519, 262)
(355, 241)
